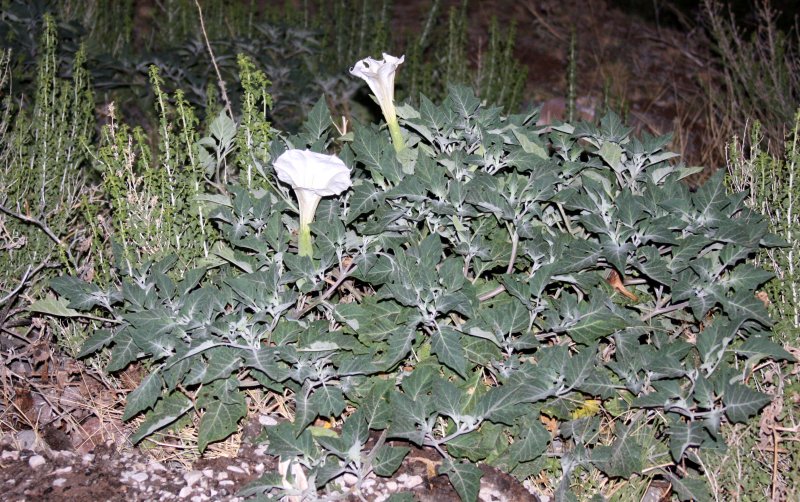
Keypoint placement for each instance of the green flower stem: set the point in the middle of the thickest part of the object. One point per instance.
(397, 138)
(304, 241)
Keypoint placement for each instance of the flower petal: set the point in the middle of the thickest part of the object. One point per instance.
(315, 172)
(307, 201)
(379, 75)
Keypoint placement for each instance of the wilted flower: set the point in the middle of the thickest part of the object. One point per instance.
(379, 75)
(312, 176)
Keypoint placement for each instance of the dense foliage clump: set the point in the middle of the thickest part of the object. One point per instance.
(491, 276)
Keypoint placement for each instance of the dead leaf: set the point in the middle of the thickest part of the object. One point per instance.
(616, 282)
(551, 424)
(23, 402)
(764, 297)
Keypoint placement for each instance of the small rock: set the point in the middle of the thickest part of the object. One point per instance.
(267, 420)
(140, 477)
(391, 486)
(259, 467)
(87, 458)
(63, 470)
(226, 482)
(192, 477)
(185, 492)
(36, 461)
(157, 466)
(222, 475)
(27, 439)
(209, 473)
(237, 470)
(59, 482)
(412, 481)
(349, 479)
(9, 455)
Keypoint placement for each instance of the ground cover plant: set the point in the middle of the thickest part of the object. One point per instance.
(483, 273)
(548, 299)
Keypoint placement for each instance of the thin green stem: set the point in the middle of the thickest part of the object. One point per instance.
(397, 137)
(304, 241)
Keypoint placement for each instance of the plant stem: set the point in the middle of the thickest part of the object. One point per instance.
(220, 80)
(663, 310)
(43, 227)
(491, 294)
(297, 314)
(304, 241)
(397, 138)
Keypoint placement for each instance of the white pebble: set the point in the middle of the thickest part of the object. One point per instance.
(349, 479)
(27, 439)
(9, 455)
(412, 481)
(222, 475)
(59, 482)
(226, 482)
(267, 420)
(185, 492)
(36, 461)
(192, 477)
(140, 477)
(236, 469)
(209, 473)
(63, 470)
(157, 466)
(391, 486)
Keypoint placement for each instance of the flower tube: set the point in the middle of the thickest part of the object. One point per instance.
(312, 176)
(379, 75)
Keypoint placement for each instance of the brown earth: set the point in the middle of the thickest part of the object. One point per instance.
(655, 77)
(47, 474)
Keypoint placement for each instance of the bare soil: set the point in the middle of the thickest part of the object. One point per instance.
(45, 474)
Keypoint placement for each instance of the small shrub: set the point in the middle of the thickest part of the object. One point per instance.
(771, 182)
(43, 170)
(489, 276)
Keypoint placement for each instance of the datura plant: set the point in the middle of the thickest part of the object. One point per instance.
(535, 299)
(312, 176)
(379, 75)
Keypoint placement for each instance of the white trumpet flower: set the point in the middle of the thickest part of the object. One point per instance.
(379, 75)
(312, 176)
